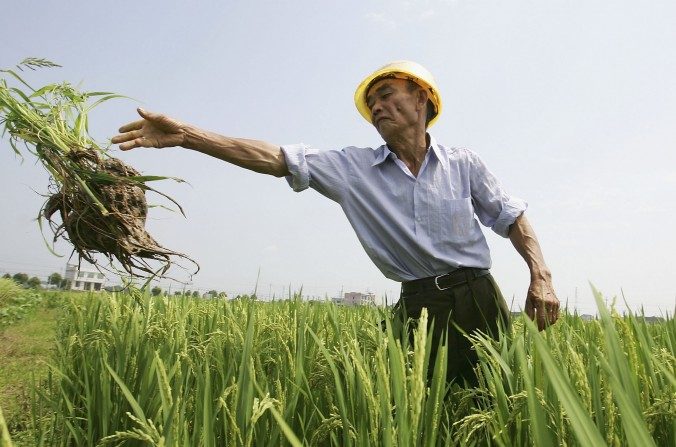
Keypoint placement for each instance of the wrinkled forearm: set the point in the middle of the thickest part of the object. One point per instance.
(254, 155)
(524, 240)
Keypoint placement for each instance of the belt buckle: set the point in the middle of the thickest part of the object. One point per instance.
(436, 283)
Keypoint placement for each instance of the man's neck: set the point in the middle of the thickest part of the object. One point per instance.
(410, 148)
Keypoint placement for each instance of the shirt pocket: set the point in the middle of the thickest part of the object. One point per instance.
(457, 220)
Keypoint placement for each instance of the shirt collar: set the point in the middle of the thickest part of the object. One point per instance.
(438, 152)
(383, 153)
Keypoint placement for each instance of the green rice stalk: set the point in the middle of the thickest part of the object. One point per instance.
(242, 372)
(622, 381)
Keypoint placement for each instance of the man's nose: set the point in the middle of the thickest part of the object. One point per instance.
(375, 110)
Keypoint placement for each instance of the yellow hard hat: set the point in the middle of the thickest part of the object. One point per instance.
(403, 70)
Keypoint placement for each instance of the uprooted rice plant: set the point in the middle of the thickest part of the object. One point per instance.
(135, 370)
(96, 202)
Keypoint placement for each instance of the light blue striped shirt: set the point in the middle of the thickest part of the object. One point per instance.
(410, 227)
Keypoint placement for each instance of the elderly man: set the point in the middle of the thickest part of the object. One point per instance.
(412, 203)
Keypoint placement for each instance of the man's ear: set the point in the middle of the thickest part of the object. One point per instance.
(421, 98)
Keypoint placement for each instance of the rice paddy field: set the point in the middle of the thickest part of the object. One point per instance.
(133, 370)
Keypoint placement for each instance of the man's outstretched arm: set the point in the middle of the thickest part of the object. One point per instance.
(542, 305)
(158, 131)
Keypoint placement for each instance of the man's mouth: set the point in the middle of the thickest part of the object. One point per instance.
(379, 119)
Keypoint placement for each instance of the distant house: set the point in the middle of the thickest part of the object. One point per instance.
(356, 299)
(654, 320)
(83, 278)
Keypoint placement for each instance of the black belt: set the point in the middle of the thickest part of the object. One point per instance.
(442, 282)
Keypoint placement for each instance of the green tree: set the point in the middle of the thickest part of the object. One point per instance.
(196, 294)
(7, 276)
(156, 291)
(21, 278)
(54, 279)
(33, 282)
(222, 295)
(177, 293)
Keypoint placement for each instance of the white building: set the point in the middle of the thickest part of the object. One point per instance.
(83, 278)
(357, 299)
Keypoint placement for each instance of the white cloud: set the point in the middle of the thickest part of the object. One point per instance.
(429, 13)
(381, 19)
(400, 12)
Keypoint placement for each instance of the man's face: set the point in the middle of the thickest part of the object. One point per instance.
(395, 106)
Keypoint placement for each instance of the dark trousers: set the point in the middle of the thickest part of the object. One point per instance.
(475, 305)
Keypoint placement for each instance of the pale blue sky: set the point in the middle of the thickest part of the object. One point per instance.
(571, 103)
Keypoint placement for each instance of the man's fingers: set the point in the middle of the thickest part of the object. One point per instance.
(542, 305)
(154, 130)
(552, 307)
(126, 136)
(541, 315)
(136, 125)
(138, 142)
(147, 115)
(132, 134)
(130, 145)
(552, 312)
(529, 309)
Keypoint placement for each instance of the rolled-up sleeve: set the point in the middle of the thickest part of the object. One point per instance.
(492, 205)
(299, 178)
(324, 171)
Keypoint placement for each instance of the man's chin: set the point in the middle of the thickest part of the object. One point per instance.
(388, 133)
(383, 127)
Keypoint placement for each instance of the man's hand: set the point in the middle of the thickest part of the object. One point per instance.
(154, 130)
(542, 305)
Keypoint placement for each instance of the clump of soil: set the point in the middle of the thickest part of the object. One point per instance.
(117, 228)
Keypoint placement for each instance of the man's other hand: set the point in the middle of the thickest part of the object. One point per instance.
(542, 305)
(154, 130)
